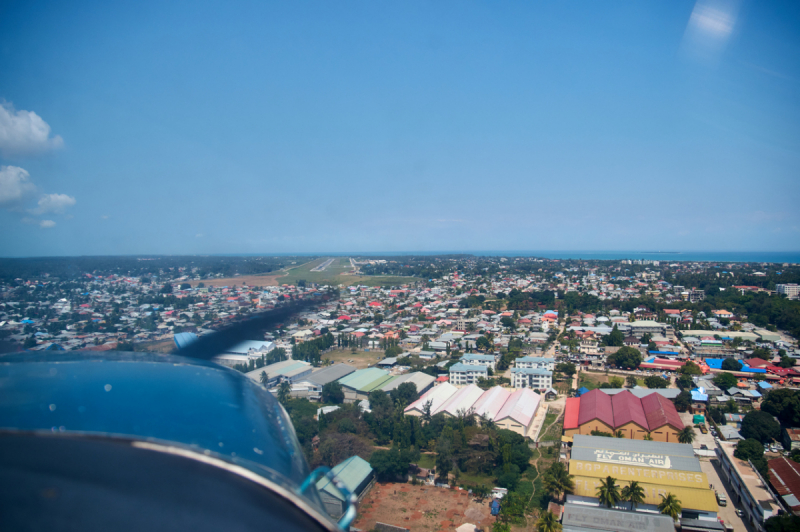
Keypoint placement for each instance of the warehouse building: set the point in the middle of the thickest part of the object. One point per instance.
(461, 402)
(422, 381)
(357, 476)
(634, 417)
(518, 411)
(436, 397)
(311, 386)
(660, 468)
(357, 385)
(578, 518)
(513, 411)
(286, 370)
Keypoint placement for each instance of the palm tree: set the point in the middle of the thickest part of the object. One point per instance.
(548, 523)
(264, 378)
(633, 493)
(670, 505)
(619, 434)
(686, 435)
(648, 437)
(284, 391)
(557, 481)
(608, 492)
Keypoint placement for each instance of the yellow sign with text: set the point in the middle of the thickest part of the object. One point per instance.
(628, 473)
(691, 499)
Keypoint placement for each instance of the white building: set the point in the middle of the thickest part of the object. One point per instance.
(477, 359)
(791, 290)
(539, 379)
(461, 374)
(535, 363)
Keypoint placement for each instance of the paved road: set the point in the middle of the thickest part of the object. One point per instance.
(726, 513)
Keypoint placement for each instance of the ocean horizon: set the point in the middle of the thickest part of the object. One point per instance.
(792, 257)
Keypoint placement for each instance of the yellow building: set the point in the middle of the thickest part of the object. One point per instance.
(659, 468)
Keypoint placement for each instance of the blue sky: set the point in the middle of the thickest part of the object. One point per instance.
(235, 127)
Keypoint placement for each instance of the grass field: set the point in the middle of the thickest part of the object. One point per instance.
(590, 381)
(339, 273)
(360, 360)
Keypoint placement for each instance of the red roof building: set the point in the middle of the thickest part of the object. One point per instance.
(660, 412)
(784, 475)
(624, 412)
(596, 412)
(571, 413)
(629, 415)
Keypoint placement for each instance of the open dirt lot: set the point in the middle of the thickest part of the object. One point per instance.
(360, 360)
(421, 508)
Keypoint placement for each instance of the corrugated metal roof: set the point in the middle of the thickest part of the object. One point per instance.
(628, 408)
(437, 396)
(571, 413)
(592, 518)
(468, 367)
(362, 377)
(377, 383)
(635, 446)
(352, 472)
(677, 463)
(330, 373)
(520, 407)
(419, 379)
(784, 475)
(660, 411)
(596, 405)
(490, 403)
(462, 400)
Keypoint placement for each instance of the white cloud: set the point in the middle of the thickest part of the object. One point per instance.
(14, 185)
(44, 224)
(55, 203)
(24, 133)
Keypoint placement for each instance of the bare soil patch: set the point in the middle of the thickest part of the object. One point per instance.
(421, 508)
(360, 359)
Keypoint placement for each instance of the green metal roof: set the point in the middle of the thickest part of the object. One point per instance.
(377, 383)
(358, 380)
(352, 472)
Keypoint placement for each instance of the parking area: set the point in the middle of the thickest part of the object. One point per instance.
(700, 439)
(726, 513)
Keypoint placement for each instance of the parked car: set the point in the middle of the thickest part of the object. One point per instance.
(739, 512)
(721, 499)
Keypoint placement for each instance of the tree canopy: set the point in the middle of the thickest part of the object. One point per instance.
(724, 380)
(783, 404)
(731, 364)
(761, 426)
(625, 357)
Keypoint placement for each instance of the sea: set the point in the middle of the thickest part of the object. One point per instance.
(791, 257)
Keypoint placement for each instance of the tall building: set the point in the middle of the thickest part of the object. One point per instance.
(791, 290)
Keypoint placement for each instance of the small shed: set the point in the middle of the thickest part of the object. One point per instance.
(357, 476)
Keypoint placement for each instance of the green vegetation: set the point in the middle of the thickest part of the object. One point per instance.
(338, 273)
(625, 358)
(760, 425)
(785, 405)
